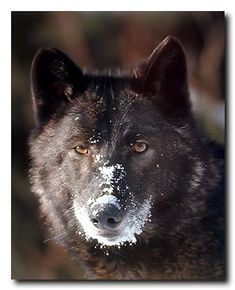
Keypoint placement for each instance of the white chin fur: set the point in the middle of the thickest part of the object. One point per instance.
(132, 224)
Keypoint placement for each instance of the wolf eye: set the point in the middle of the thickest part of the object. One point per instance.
(81, 149)
(139, 146)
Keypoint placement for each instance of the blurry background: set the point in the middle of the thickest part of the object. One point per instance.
(99, 39)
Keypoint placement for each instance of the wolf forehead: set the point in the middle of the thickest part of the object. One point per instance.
(107, 107)
(104, 113)
(105, 99)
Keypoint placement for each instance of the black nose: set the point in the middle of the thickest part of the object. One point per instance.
(106, 216)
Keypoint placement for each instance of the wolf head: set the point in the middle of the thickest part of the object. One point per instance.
(110, 148)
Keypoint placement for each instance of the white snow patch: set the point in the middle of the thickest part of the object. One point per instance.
(132, 224)
(136, 214)
(107, 176)
(108, 189)
(108, 199)
(107, 172)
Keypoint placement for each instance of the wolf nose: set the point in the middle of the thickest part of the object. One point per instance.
(106, 216)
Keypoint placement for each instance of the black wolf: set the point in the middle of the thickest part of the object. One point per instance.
(127, 181)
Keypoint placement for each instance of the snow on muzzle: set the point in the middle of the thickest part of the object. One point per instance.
(107, 223)
(106, 219)
(106, 214)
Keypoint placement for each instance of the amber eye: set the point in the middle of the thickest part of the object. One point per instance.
(81, 149)
(139, 146)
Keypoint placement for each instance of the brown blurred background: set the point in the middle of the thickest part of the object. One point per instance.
(100, 39)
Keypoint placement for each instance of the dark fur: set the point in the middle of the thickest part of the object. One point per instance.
(185, 237)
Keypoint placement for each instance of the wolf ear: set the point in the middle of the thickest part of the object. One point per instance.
(164, 77)
(53, 81)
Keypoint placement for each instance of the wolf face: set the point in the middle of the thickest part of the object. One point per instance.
(116, 156)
